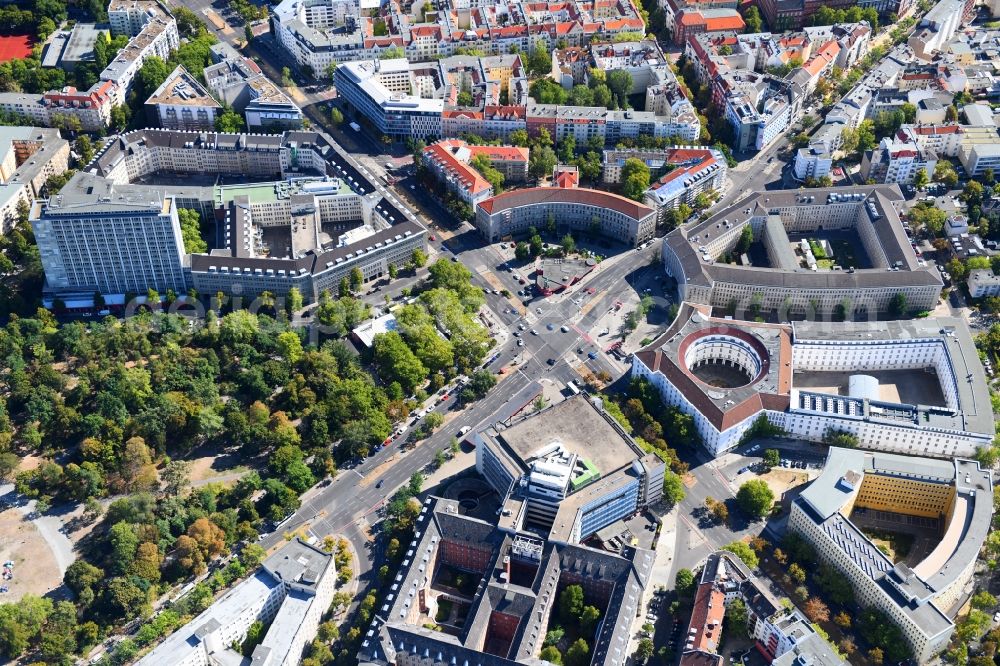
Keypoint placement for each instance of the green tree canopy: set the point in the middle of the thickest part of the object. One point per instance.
(755, 498)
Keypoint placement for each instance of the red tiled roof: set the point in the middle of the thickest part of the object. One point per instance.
(441, 153)
(654, 358)
(540, 195)
(697, 159)
(566, 178)
(826, 55)
(706, 618)
(505, 111)
(425, 30)
(461, 113)
(938, 129)
(712, 23)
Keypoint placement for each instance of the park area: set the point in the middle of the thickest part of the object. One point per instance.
(15, 46)
(35, 570)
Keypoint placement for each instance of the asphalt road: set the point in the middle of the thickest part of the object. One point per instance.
(349, 504)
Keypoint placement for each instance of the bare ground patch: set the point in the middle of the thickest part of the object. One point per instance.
(35, 568)
(781, 480)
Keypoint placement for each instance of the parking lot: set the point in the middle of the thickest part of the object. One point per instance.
(749, 459)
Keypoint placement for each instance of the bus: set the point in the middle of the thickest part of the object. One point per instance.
(573, 388)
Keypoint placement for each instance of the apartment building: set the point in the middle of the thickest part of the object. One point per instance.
(28, 157)
(181, 103)
(814, 161)
(153, 31)
(318, 36)
(688, 173)
(938, 26)
(776, 630)
(857, 105)
(921, 599)
(690, 22)
(158, 37)
(898, 159)
(289, 594)
(983, 282)
(555, 478)
(571, 66)
(419, 100)
(449, 162)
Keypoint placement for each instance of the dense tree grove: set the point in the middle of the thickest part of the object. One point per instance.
(115, 401)
(656, 427)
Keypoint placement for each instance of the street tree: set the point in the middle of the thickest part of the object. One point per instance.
(755, 498)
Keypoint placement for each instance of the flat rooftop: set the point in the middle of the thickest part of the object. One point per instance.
(579, 427)
(964, 535)
(80, 46)
(974, 409)
(874, 205)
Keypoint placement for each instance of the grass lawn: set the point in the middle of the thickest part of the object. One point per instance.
(824, 264)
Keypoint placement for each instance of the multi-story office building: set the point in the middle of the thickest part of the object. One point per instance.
(570, 470)
(612, 215)
(182, 103)
(308, 230)
(951, 500)
(759, 107)
(980, 150)
(883, 265)
(922, 390)
(380, 90)
(112, 245)
(288, 594)
(518, 579)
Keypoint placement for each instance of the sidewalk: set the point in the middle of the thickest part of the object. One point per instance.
(660, 577)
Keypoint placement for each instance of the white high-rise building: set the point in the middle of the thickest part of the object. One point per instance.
(112, 244)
